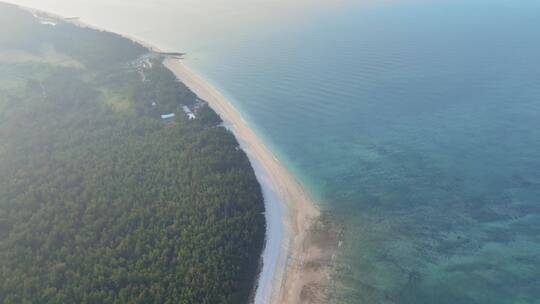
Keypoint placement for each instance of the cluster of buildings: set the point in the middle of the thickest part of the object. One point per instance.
(141, 65)
(188, 112)
(145, 63)
(45, 19)
(170, 116)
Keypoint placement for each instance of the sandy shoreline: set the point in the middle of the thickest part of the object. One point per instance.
(292, 246)
(302, 211)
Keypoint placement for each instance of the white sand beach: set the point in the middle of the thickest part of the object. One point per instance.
(285, 282)
(291, 214)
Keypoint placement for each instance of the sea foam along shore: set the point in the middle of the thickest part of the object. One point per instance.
(290, 212)
(282, 278)
(273, 255)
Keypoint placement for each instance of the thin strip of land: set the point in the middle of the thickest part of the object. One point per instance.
(307, 247)
(306, 264)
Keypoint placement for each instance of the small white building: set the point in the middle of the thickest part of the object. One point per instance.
(167, 116)
(190, 115)
(46, 22)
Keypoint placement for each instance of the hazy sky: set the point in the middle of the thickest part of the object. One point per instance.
(194, 23)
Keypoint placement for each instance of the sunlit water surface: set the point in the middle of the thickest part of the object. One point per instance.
(416, 124)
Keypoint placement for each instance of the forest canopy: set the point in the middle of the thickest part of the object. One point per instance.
(102, 201)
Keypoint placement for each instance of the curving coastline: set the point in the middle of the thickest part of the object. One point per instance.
(284, 274)
(296, 263)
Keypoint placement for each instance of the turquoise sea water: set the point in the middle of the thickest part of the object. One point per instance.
(415, 123)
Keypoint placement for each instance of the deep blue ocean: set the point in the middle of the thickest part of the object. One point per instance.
(415, 124)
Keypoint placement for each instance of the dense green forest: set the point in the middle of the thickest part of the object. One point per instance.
(101, 201)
